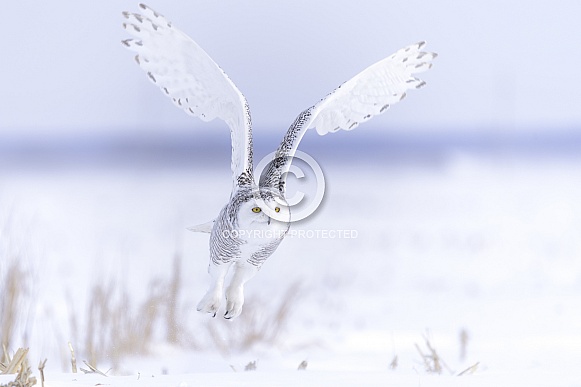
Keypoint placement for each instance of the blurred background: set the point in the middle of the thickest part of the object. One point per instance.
(466, 190)
(504, 69)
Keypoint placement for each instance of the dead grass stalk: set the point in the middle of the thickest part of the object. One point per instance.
(433, 362)
(258, 324)
(13, 286)
(116, 327)
(17, 364)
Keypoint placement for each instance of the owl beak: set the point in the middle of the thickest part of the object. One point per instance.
(268, 221)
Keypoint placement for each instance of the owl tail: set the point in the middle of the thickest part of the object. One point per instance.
(205, 227)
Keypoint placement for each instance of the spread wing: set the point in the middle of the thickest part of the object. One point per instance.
(369, 93)
(194, 82)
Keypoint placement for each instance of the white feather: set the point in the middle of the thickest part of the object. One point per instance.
(369, 93)
(244, 236)
(204, 227)
(372, 91)
(194, 82)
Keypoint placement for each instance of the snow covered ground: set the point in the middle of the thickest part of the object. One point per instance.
(484, 247)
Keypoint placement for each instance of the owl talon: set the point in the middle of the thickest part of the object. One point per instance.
(194, 82)
(230, 315)
(210, 303)
(234, 305)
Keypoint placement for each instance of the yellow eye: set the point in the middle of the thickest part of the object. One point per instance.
(256, 210)
(277, 209)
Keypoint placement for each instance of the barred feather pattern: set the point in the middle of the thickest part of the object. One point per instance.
(261, 255)
(273, 175)
(192, 80)
(224, 247)
(225, 238)
(368, 94)
(197, 85)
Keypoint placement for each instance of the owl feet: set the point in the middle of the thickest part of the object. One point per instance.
(234, 302)
(210, 303)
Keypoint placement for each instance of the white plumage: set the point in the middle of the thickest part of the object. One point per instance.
(372, 91)
(255, 220)
(194, 82)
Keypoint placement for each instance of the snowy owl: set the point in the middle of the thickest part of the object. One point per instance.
(256, 219)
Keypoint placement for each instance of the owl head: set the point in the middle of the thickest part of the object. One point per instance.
(263, 208)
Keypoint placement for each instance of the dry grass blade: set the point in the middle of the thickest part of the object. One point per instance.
(394, 363)
(14, 364)
(426, 360)
(23, 379)
(470, 370)
(92, 369)
(41, 370)
(251, 366)
(303, 366)
(174, 330)
(261, 327)
(259, 324)
(8, 304)
(433, 363)
(5, 359)
(436, 360)
(117, 326)
(15, 284)
(73, 359)
(464, 337)
(18, 364)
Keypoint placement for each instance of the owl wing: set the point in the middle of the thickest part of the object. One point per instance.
(194, 82)
(368, 94)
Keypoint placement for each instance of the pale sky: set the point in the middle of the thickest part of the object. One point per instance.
(509, 65)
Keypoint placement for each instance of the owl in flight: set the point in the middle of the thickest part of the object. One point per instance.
(256, 219)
